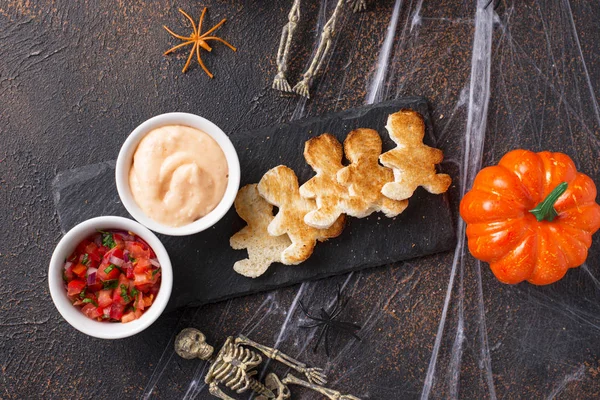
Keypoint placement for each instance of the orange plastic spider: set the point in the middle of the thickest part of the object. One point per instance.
(198, 40)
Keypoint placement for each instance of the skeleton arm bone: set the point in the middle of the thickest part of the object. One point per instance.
(312, 374)
(280, 82)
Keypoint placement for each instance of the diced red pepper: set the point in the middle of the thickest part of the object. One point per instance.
(80, 270)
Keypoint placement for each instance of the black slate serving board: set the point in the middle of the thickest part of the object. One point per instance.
(203, 263)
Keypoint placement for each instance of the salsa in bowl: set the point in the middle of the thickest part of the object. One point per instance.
(110, 277)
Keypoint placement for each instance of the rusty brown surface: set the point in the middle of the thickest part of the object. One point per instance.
(77, 77)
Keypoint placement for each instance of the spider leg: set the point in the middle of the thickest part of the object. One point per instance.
(323, 330)
(202, 64)
(191, 20)
(217, 26)
(327, 341)
(496, 4)
(201, 19)
(189, 60)
(309, 315)
(312, 325)
(176, 35)
(348, 328)
(220, 40)
(172, 49)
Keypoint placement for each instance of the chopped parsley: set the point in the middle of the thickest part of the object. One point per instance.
(90, 301)
(131, 258)
(155, 271)
(124, 294)
(85, 260)
(134, 292)
(82, 294)
(108, 269)
(110, 284)
(107, 240)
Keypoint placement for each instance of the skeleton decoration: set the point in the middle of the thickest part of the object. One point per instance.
(235, 366)
(302, 88)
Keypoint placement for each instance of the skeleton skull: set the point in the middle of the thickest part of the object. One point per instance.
(191, 343)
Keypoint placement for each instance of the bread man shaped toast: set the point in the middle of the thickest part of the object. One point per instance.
(324, 154)
(412, 161)
(263, 249)
(279, 186)
(364, 177)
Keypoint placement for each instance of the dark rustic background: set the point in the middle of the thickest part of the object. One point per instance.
(77, 77)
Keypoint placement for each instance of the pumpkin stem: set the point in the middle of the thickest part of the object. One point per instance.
(545, 210)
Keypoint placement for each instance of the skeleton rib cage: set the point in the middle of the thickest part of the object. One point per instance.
(234, 367)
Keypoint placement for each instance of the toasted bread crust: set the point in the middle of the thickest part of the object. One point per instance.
(412, 161)
(364, 177)
(324, 154)
(279, 186)
(263, 249)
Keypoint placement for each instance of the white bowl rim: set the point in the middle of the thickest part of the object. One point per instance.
(72, 314)
(125, 157)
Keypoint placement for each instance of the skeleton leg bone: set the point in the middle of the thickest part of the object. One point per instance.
(329, 393)
(280, 82)
(302, 87)
(312, 374)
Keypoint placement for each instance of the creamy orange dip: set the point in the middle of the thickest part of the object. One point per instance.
(179, 174)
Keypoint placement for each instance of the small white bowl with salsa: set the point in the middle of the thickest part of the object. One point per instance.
(110, 277)
(177, 174)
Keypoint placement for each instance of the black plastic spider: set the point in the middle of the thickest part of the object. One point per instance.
(327, 321)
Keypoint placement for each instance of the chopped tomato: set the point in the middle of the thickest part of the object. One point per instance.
(146, 246)
(137, 250)
(119, 240)
(80, 249)
(91, 311)
(75, 287)
(105, 298)
(116, 311)
(95, 287)
(130, 316)
(148, 300)
(125, 286)
(128, 268)
(139, 303)
(141, 266)
(68, 275)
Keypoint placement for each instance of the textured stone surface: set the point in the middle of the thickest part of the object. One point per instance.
(77, 77)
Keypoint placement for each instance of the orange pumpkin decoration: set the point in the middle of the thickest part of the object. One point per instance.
(531, 217)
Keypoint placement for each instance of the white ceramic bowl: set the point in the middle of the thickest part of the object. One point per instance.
(72, 314)
(125, 158)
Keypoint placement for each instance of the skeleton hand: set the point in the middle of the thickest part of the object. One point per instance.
(358, 5)
(315, 375)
